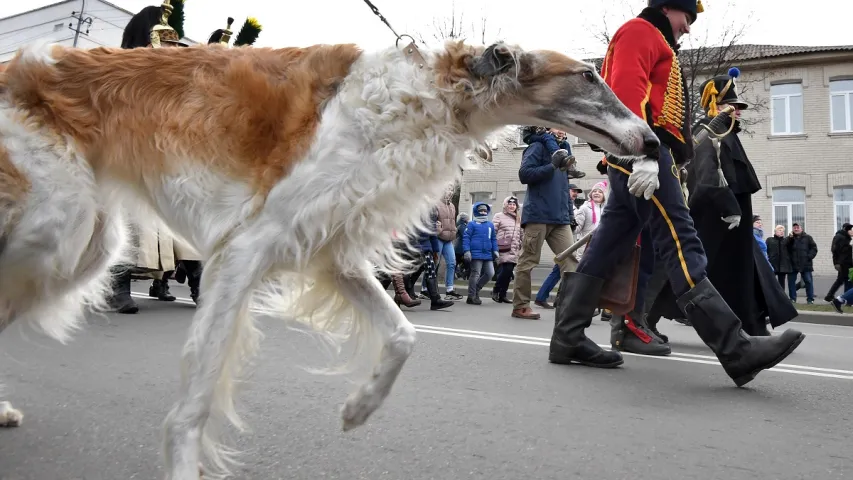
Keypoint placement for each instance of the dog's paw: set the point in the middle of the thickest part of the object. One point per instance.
(9, 417)
(358, 407)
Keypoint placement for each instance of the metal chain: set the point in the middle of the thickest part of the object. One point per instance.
(411, 49)
(376, 11)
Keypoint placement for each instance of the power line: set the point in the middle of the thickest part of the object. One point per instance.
(80, 21)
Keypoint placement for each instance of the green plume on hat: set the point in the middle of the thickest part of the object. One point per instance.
(249, 32)
(176, 19)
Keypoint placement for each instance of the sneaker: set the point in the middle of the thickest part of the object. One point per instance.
(837, 304)
(451, 295)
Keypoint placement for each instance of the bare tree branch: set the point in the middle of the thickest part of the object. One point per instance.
(452, 27)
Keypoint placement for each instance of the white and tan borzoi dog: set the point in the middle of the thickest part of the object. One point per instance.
(274, 163)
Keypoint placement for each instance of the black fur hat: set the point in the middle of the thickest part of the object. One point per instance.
(137, 32)
(692, 7)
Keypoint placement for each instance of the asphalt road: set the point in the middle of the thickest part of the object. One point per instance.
(477, 400)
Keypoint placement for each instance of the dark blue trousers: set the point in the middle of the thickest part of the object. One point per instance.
(670, 235)
(647, 268)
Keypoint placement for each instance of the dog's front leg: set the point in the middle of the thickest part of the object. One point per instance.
(221, 337)
(9, 417)
(398, 338)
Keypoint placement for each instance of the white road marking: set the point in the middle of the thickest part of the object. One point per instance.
(539, 341)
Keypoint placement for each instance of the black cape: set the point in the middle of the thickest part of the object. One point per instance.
(736, 265)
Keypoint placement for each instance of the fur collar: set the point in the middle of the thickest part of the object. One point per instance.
(656, 17)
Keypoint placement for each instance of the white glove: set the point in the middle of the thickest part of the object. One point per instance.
(732, 220)
(644, 179)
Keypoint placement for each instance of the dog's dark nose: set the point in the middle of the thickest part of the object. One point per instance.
(651, 146)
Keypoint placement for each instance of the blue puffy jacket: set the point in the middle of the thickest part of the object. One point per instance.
(480, 238)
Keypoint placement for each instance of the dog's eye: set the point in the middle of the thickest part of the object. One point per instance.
(589, 76)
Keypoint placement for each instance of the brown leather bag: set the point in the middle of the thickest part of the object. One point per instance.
(620, 290)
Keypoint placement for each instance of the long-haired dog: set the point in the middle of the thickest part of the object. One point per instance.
(288, 164)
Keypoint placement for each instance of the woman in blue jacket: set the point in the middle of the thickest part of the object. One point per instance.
(480, 247)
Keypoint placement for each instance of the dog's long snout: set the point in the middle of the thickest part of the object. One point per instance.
(651, 145)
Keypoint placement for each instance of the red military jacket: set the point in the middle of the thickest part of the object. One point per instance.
(642, 69)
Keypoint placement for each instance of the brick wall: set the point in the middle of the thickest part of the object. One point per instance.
(817, 161)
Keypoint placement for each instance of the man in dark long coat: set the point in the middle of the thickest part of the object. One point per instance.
(721, 184)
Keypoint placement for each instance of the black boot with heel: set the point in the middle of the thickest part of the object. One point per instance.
(436, 303)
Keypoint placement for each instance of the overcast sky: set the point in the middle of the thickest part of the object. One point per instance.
(563, 25)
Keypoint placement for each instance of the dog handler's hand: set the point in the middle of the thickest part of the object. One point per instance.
(643, 181)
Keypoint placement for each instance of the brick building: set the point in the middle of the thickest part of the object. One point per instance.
(801, 144)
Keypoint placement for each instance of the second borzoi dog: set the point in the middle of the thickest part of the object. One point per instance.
(296, 161)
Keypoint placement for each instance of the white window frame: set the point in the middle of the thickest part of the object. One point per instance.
(519, 142)
(846, 94)
(842, 203)
(789, 206)
(489, 200)
(787, 97)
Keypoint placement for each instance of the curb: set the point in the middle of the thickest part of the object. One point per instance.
(803, 316)
(824, 318)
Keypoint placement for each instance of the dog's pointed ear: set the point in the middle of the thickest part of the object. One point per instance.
(496, 59)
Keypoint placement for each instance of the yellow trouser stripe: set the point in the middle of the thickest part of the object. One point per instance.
(677, 242)
(671, 230)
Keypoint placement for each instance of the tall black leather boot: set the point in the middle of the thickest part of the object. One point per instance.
(120, 299)
(193, 271)
(578, 300)
(634, 336)
(436, 303)
(741, 355)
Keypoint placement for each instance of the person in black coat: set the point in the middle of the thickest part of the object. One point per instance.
(777, 253)
(720, 201)
(803, 250)
(842, 259)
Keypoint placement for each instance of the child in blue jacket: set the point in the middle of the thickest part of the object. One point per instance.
(480, 247)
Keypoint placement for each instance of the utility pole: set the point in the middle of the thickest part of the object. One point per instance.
(80, 21)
